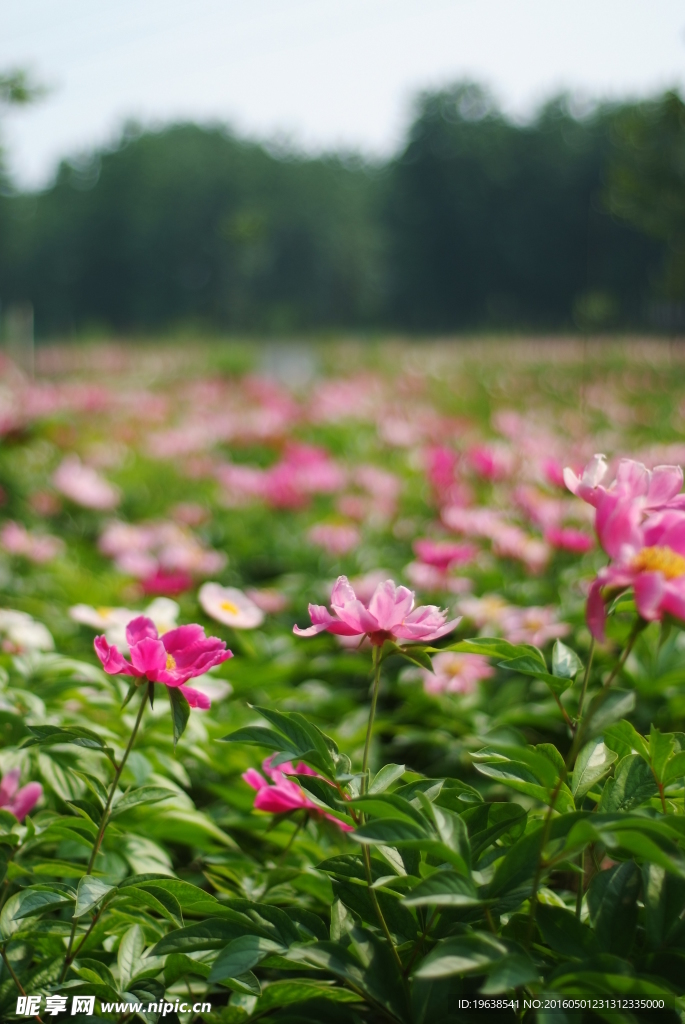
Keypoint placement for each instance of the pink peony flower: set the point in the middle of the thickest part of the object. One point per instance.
(456, 673)
(652, 490)
(84, 486)
(532, 625)
(39, 548)
(390, 615)
(443, 554)
(281, 795)
(172, 659)
(18, 801)
(567, 538)
(648, 556)
(336, 538)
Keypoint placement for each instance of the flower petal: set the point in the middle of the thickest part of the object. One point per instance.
(149, 658)
(196, 698)
(139, 629)
(112, 660)
(649, 591)
(389, 604)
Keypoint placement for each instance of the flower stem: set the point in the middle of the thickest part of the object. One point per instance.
(372, 715)
(586, 679)
(637, 628)
(105, 817)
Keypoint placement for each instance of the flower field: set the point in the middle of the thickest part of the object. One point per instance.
(346, 685)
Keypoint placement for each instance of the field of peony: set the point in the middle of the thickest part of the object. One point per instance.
(343, 684)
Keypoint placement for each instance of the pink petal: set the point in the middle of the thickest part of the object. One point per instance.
(649, 591)
(632, 478)
(618, 523)
(254, 779)
(389, 604)
(112, 661)
(140, 629)
(665, 483)
(341, 824)
(595, 612)
(9, 786)
(149, 658)
(674, 598)
(323, 620)
(196, 698)
(26, 799)
(183, 636)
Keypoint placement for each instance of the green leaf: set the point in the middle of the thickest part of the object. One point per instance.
(95, 972)
(202, 935)
(180, 711)
(390, 805)
(302, 735)
(528, 666)
(606, 707)
(385, 777)
(189, 896)
(511, 972)
(521, 778)
(443, 889)
(178, 965)
(91, 891)
(27, 903)
(661, 747)
(474, 953)
(159, 900)
(565, 663)
(564, 933)
(501, 818)
(130, 951)
(612, 901)
(242, 955)
(143, 795)
(449, 826)
(633, 784)
(287, 993)
(625, 739)
(493, 647)
(593, 763)
(675, 768)
(47, 735)
(258, 736)
(663, 895)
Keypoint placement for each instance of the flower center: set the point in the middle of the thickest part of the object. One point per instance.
(170, 663)
(660, 559)
(228, 606)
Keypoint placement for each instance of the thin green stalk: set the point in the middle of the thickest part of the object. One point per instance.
(15, 979)
(538, 867)
(586, 679)
(105, 817)
(372, 716)
(290, 842)
(637, 628)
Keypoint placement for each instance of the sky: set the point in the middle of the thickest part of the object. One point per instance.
(317, 74)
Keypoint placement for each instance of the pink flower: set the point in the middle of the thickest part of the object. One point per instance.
(566, 538)
(491, 461)
(336, 538)
(18, 801)
(456, 673)
(173, 659)
(390, 615)
(652, 490)
(84, 486)
(281, 795)
(648, 556)
(532, 625)
(444, 554)
(17, 540)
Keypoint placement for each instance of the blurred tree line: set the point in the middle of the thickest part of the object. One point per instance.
(569, 220)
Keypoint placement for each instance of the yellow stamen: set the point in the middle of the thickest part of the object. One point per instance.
(170, 663)
(228, 606)
(660, 559)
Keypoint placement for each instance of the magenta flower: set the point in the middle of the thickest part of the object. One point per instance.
(567, 538)
(281, 795)
(390, 615)
(648, 556)
(18, 801)
(443, 554)
(172, 659)
(651, 489)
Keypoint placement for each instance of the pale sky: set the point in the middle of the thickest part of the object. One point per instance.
(324, 74)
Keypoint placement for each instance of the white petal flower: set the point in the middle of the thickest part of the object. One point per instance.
(230, 606)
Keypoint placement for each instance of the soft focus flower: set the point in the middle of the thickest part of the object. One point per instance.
(163, 612)
(390, 615)
(652, 490)
(37, 547)
(456, 673)
(567, 538)
(18, 802)
(281, 795)
(533, 625)
(84, 486)
(485, 612)
(229, 606)
(165, 555)
(269, 599)
(648, 556)
(22, 634)
(491, 461)
(177, 656)
(444, 554)
(336, 538)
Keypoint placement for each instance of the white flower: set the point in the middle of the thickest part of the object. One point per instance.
(21, 632)
(113, 621)
(229, 606)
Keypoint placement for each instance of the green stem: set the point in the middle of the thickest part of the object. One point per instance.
(290, 842)
(105, 817)
(372, 715)
(637, 628)
(586, 679)
(538, 867)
